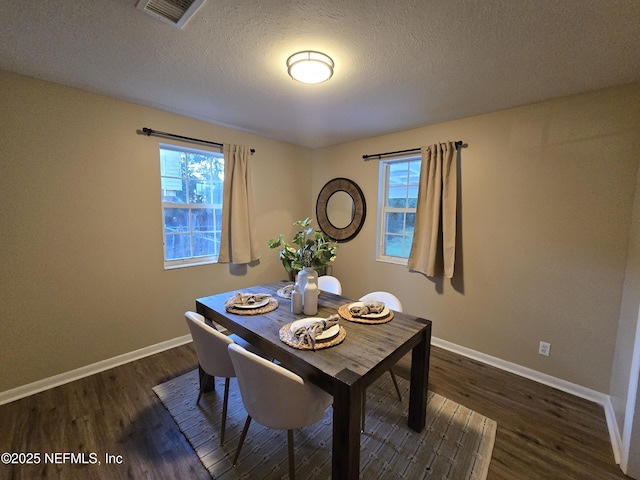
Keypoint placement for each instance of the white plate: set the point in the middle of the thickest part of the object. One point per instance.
(259, 304)
(326, 335)
(385, 311)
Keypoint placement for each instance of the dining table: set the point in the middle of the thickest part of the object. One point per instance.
(344, 370)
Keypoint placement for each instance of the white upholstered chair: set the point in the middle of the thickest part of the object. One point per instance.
(213, 356)
(393, 303)
(327, 283)
(275, 397)
(389, 299)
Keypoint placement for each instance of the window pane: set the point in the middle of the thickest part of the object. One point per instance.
(410, 221)
(199, 192)
(173, 190)
(406, 246)
(414, 172)
(393, 245)
(172, 170)
(205, 244)
(218, 218)
(177, 246)
(203, 219)
(395, 223)
(217, 192)
(176, 220)
(398, 173)
(172, 163)
(199, 169)
(397, 197)
(413, 197)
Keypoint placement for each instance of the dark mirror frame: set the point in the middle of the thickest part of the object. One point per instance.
(359, 209)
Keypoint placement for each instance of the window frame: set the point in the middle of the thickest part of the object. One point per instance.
(383, 208)
(189, 207)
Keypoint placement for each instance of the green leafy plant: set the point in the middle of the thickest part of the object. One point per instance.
(309, 248)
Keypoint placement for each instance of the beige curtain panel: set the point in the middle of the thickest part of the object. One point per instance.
(238, 240)
(433, 250)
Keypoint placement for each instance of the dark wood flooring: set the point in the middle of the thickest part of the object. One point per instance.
(542, 433)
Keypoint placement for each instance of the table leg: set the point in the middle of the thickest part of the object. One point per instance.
(347, 406)
(419, 382)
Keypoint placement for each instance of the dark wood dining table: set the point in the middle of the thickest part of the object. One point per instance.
(344, 370)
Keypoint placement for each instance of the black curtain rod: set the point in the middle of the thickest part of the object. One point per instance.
(397, 152)
(148, 132)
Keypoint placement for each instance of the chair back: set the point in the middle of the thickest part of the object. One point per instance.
(211, 347)
(274, 396)
(389, 299)
(327, 283)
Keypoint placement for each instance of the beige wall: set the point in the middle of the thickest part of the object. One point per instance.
(546, 202)
(547, 198)
(81, 277)
(624, 376)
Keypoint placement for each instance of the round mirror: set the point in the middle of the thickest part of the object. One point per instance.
(341, 209)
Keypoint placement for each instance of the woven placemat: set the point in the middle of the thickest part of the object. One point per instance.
(287, 337)
(343, 311)
(272, 305)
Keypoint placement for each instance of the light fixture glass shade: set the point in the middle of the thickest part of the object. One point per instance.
(310, 67)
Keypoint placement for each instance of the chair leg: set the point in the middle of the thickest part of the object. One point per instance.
(225, 403)
(203, 380)
(395, 384)
(292, 461)
(242, 437)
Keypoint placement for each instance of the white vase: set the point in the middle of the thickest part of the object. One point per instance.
(308, 282)
(296, 300)
(301, 278)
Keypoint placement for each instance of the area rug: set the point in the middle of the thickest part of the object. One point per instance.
(455, 444)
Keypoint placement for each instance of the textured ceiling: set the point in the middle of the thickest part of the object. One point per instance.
(399, 64)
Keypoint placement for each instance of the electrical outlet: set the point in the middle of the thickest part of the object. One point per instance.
(544, 349)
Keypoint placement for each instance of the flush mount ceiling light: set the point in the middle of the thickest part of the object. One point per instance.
(310, 67)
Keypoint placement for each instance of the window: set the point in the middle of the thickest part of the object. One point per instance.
(398, 197)
(191, 193)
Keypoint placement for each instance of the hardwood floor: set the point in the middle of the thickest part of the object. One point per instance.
(542, 433)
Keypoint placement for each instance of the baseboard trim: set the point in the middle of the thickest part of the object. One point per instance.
(557, 383)
(88, 370)
(614, 431)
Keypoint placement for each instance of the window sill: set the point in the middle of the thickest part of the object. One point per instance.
(394, 260)
(189, 264)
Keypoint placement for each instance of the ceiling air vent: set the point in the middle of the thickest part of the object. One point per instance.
(173, 12)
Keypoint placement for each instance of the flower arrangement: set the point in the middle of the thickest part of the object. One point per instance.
(309, 248)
